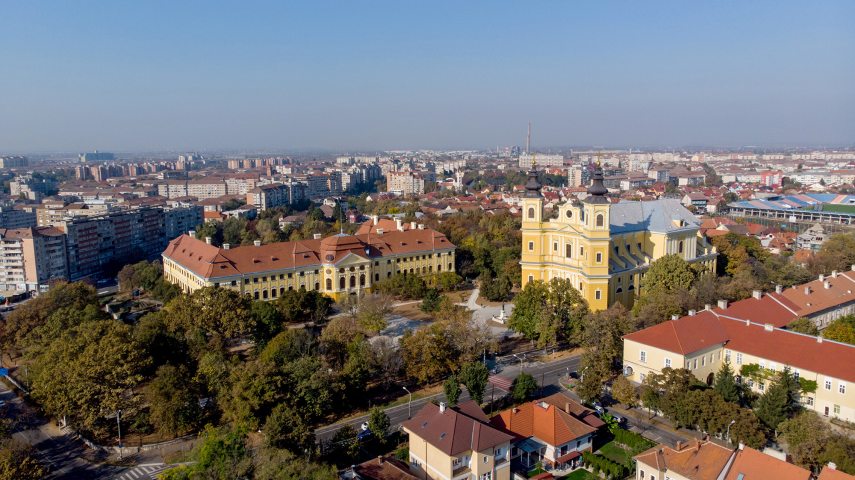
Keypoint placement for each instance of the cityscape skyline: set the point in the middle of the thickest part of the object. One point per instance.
(341, 77)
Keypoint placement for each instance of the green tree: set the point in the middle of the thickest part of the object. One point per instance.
(221, 455)
(286, 428)
(426, 353)
(803, 325)
(451, 388)
(837, 253)
(214, 311)
(267, 320)
(298, 306)
(431, 300)
(747, 428)
(379, 423)
(278, 464)
(773, 406)
(806, 436)
(841, 330)
(18, 462)
(523, 387)
(474, 376)
(549, 312)
(173, 406)
(668, 274)
(624, 392)
(725, 383)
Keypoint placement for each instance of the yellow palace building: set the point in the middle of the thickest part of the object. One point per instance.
(605, 248)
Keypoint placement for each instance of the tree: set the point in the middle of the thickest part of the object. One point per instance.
(624, 392)
(431, 300)
(451, 388)
(286, 428)
(841, 330)
(668, 274)
(523, 387)
(221, 455)
(772, 407)
(379, 423)
(836, 253)
(214, 311)
(725, 383)
(372, 311)
(297, 306)
(474, 377)
(88, 373)
(549, 312)
(804, 325)
(267, 320)
(277, 464)
(494, 289)
(747, 429)
(173, 407)
(426, 353)
(806, 436)
(18, 462)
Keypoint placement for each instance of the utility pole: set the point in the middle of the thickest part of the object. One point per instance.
(119, 423)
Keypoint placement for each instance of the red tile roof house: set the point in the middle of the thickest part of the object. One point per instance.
(553, 431)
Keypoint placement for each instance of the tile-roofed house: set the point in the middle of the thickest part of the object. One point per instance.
(545, 433)
(744, 333)
(750, 464)
(564, 402)
(830, 472)
(709, 461)
(337, 265)
(379, 468)
(447, 442)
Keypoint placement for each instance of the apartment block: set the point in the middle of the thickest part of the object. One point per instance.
(31, 258)
(15, 161)
(405, 183)
(530, 160)
(12, 217)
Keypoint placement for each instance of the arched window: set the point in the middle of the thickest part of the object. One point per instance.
(317, 286)
(329, 284)
(600, 220)
(376, 277)
(362, 280)
(353, 281)
(450, 267)
(341, 283)
(439, 268)
(680, 246)
(619, 290)
(530, 212)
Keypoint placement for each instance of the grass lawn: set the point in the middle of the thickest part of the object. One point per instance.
(581, 475)
(616, 453)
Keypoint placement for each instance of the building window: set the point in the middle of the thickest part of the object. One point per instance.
(695, 363)
(680, 247)
(837, 409)
(531, 246)
(828, 384)
(841, 387)
(642, 356)
(376, 277)
(353, 281)
(362, 280)
(597, 294)
(599, 257)
(727, 356)
(809, 401)
(668, 363)
(530, 278)
(568, 251)
(530, 212)
(739, 358)
(703, 360)
(555, 246)
(600, 220)
(329, 284)
(581, 251)
(761, 386)
(341, 283)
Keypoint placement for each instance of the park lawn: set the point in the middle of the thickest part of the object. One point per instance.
(581, 474)
(616, 453)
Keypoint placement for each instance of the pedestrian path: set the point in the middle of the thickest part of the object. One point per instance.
(144, 472)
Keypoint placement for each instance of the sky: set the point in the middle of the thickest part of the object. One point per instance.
(372, 75)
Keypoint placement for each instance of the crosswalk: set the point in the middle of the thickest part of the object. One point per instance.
(144, 472)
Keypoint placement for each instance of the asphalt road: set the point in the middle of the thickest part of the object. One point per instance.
(546, 374)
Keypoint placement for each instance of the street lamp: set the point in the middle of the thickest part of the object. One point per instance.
(727, 435)
(119, 423)
(409, 404)
(520, 359)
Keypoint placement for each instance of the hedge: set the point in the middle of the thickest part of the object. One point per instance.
(598, 464)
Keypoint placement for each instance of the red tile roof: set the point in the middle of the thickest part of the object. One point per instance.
(751, 464)
(564, 402)
(685, 335)
(699, 461)
(544, 421)
(209, 261)
(454, 432)
(833, 474)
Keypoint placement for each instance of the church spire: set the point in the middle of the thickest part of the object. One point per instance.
(597, 191)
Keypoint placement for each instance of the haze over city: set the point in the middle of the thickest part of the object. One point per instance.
(383, 75)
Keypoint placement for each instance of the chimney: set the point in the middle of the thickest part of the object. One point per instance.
(758, 294)
(567, 407)
(821, 277)
(412, 225)
(257, 243)
(192, 233)
(722, 304)
(707, 307)
(379, 459)
(852, 267)
(421, 226)
(316, 236)
(227, 246)
(374, 219)
(826, 284)
(208, 240)
(741, 446)
(515, 410)
(768, 327)
(679, 445)
(779, 289)
(819, 339)
(692, 313)
(832, 465)
(441, 407)
(398, 225)
(379, 231)
(834, 274)
(674, 317)
(747, 323)
(807, 290)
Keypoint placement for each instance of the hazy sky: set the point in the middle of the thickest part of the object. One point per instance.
(152, 75)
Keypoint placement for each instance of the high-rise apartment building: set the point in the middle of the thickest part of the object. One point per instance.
(528, 160)
(32, 258)
(405, 183)
(16, 161)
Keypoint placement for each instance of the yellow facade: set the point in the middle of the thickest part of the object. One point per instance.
(580, 243)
